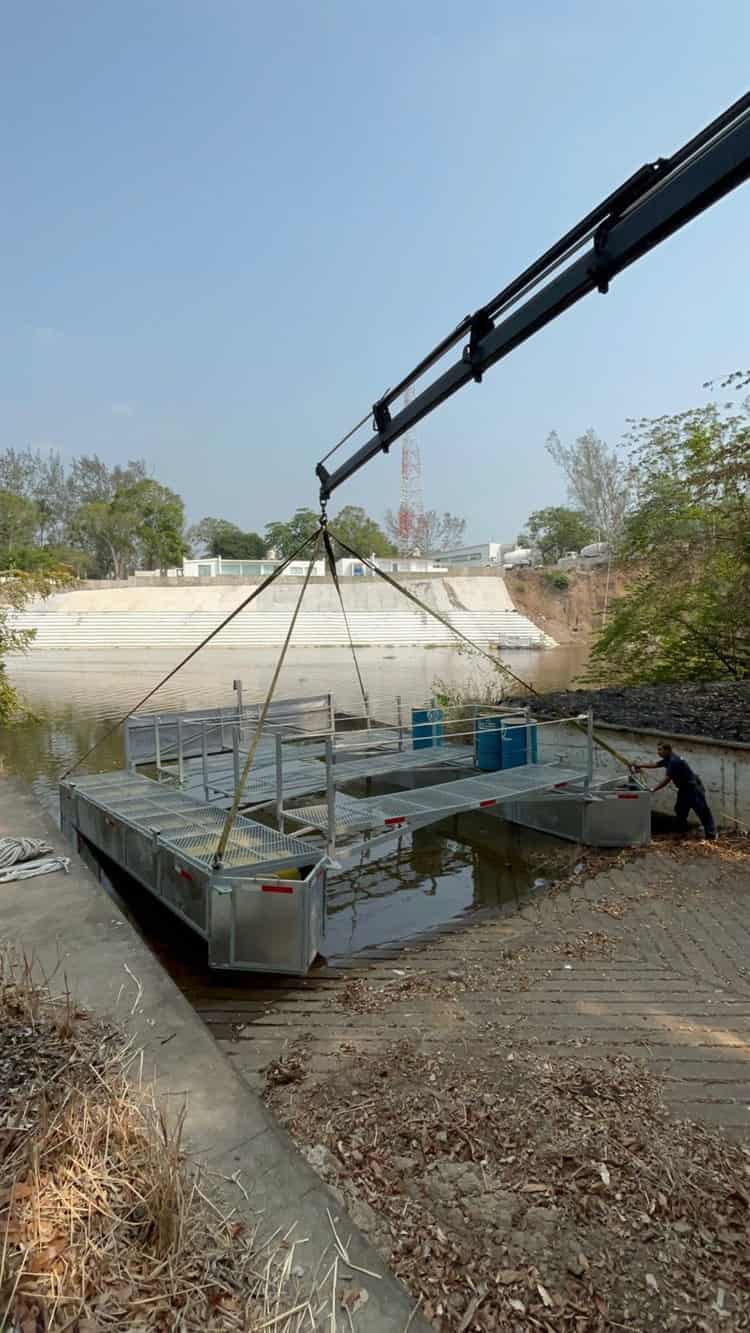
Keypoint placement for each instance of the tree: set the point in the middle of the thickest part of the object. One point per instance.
(142, 523)
(160, 519)
(599, 482)
(361, 532)
(19, 519)
(91, 478)
(107, 532)
(434, 532)
(219, 537)
(17, 589)
(557, 530)
(286, 537)
(687, 614)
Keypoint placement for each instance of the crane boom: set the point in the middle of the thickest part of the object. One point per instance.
(649, 207)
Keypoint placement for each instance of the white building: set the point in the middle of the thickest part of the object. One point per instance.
(390, 564)
(217, 566)
(488, 553)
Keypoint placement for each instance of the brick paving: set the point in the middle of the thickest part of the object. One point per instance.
(650, 958)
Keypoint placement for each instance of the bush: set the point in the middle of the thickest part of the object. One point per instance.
(558, 581)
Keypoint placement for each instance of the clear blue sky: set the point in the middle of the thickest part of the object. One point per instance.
(228, 226)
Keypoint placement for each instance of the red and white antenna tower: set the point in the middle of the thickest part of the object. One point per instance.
(411, 509)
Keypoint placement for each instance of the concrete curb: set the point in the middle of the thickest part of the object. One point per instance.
(68, 925)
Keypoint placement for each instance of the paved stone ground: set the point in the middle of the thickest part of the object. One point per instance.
(650, 958)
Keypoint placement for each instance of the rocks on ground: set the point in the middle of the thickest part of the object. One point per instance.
(718, 709)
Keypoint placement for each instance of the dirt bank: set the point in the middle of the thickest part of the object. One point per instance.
(720, 710)
(570, 613)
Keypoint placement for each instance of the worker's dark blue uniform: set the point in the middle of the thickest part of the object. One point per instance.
(691, 794)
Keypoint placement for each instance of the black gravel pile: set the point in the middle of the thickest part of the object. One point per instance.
(720, 710)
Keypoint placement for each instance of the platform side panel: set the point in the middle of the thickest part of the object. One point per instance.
(68, 813)
(220, 924)
(316, 915)
(621, 820)
(101, 828)
(184, 887)
(610, 821)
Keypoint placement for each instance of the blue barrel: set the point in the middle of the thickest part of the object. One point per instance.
(427, 728)
(502, 745)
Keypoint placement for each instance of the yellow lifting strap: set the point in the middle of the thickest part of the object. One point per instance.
(234, 809)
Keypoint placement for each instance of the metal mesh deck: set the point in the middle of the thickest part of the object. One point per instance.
(425, 805)
(351, 815)
(305, 777)
(191, 827)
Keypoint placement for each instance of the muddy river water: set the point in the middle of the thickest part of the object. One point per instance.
(428, 879)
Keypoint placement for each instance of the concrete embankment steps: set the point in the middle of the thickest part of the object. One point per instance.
(181, 615)
(72, 929)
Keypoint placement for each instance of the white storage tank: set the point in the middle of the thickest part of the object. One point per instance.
(519, 557)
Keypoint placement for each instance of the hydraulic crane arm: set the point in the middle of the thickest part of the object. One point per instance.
(655, 202)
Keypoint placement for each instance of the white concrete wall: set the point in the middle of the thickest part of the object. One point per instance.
(480, 608)
(724, 766)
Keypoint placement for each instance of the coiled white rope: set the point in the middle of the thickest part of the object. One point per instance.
(23, 858)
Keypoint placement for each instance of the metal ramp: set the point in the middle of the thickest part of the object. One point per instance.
(428, 805)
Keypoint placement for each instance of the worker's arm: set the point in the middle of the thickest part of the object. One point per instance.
(638, 767)
(659, 785)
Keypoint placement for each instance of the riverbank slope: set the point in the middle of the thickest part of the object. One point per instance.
(571, 613)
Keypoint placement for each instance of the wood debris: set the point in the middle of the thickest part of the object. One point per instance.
(534, 1193)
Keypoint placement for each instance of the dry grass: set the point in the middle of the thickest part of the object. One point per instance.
(102, 1224)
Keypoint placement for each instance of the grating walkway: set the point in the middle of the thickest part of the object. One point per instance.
(426, 805)
(305, 777)
(191, 827)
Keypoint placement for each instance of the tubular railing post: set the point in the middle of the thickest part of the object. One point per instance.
(237, 687)
(589, 752)
(331, 715)
(157, 745)
(129, 764)
(400, 717)
(279, 782)
(474, 716)
(204, 757)
(529, 756)
(180, 755)
(236, 755)
(367, 710)
(331, 798)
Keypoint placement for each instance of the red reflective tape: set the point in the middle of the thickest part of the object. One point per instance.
(560, 784)
(276, 888)
(493, 801)
(627, 796)
(184, 874)
(397, 819)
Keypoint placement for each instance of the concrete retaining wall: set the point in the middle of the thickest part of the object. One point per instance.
(724, 766)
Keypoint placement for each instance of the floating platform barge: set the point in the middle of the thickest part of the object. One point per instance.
(304, 815)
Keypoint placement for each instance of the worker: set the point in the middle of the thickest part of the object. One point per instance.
(691, 794)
